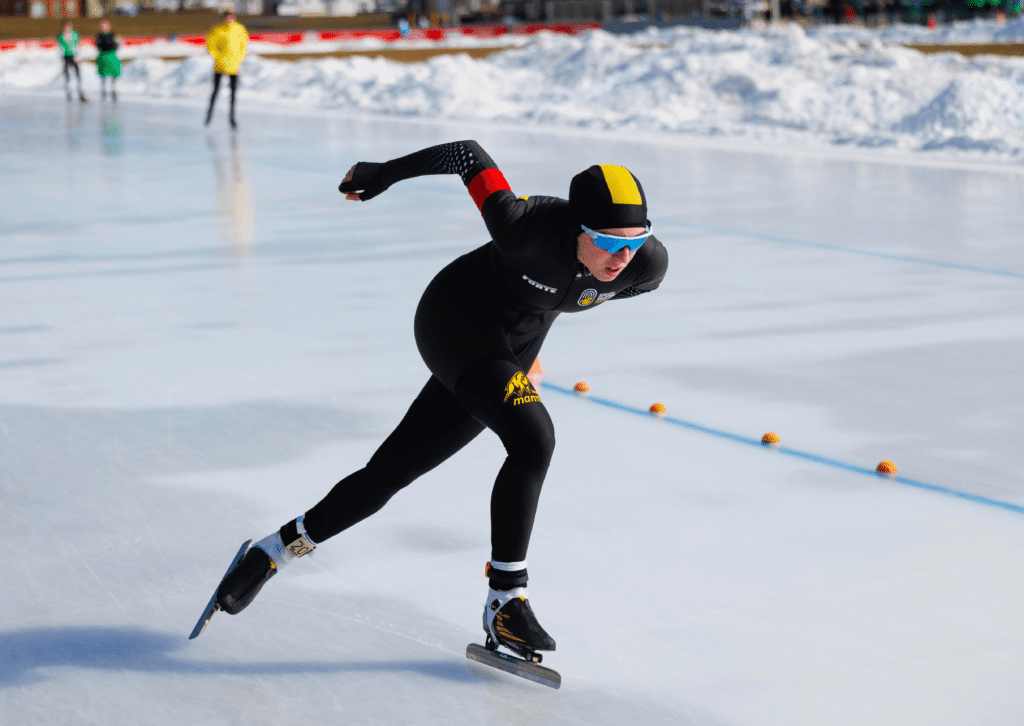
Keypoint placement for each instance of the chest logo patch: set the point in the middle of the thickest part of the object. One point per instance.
(588, 296)
(520, 390)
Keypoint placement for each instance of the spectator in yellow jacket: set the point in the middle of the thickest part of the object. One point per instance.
(226, 43)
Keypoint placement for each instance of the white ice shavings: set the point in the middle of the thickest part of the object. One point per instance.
(780, 85)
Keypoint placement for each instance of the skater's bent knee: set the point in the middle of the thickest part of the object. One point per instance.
(533, 451)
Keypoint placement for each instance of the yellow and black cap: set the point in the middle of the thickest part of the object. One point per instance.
(606, 196)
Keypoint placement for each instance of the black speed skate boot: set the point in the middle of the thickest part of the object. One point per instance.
(261, 562)
(509, 621)
(240, 586)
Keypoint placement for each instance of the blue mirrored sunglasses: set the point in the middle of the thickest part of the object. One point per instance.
(613, 243)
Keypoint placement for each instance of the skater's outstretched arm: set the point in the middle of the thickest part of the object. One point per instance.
(485, 182)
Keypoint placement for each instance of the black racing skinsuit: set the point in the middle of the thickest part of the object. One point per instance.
(479, 325)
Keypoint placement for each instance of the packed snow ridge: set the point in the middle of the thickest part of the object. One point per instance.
(779, 85)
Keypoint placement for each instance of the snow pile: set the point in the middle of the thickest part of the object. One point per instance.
(775, 86)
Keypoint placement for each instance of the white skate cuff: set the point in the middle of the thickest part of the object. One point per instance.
(508, 566)
(275, 549)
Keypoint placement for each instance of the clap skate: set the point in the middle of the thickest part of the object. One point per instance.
(509, 622)
(241, 585)
(252, 567)
(211, 607)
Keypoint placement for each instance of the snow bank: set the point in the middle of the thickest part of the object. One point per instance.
(779, 85)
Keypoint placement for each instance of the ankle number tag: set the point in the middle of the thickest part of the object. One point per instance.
(301, 546)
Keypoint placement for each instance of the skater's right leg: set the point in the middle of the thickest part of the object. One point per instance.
(435, 427)
(78, 81)
(213, 97)
(261, 562)
(67, 76)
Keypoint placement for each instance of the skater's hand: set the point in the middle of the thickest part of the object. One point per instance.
(363, 182)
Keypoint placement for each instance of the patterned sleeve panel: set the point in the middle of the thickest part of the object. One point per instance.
(630, 292)
(654, 272)
(465, 158)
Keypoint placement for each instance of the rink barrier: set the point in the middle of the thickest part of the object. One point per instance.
(787, 451)
(287, 38)
(853, 250)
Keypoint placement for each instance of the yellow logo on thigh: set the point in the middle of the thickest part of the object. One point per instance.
(520, 390)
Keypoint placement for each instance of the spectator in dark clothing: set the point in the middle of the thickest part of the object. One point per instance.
(108, 65)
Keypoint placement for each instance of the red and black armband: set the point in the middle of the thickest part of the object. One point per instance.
(486, 183)
(466, 158)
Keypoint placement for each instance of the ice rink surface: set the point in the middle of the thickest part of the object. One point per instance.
(199, 337)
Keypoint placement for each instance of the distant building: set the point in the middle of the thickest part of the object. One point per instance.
(601, 10)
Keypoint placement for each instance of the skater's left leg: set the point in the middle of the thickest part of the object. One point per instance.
(233, 81)
(498, 393)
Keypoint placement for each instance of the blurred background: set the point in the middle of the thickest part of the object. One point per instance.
(27, 18)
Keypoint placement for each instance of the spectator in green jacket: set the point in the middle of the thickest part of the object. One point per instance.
(68, 40)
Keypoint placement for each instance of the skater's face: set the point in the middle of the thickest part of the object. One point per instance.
(67, 27)
(602, 264)
(104, 26)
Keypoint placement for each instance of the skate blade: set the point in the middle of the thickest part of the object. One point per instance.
(515, 666)
(211, 607)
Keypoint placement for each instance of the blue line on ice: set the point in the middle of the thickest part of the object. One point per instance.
(852, 250)
(835, 463)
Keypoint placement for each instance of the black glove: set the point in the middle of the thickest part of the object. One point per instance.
(367, 180)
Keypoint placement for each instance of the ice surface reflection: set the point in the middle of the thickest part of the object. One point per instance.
(235, 209)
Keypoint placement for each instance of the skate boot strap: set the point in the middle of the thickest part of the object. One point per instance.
(506, 575)
(296, 541)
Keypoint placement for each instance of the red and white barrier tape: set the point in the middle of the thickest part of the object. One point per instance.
(293, 38)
